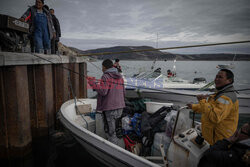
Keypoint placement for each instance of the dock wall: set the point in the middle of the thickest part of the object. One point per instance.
(32, 89)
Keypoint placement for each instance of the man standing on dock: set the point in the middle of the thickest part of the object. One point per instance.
(55, 40)
(220, 111)
(110, 97)
(41, 26)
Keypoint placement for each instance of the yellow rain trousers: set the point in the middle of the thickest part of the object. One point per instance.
(219, 117)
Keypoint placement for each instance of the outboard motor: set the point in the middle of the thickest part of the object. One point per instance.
(13, 34)
(199, 80)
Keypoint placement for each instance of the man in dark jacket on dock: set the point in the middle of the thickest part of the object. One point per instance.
(110, 98)
(41, 26)
(234, 151)
(55, 40)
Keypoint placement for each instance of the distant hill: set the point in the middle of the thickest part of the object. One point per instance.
(149, 55)
(215, 57)
(159, 55)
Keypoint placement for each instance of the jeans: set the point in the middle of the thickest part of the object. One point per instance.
(111, 116)
(41, 33)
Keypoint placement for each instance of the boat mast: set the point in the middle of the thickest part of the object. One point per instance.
(234, 57)
(174, 67)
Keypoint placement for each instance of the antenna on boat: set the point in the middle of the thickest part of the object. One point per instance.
(174, 67)
(234, 56)
(157, 38)
(232, 64)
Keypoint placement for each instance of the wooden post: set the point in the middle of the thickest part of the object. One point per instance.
(15, 113)
(82, 80)
(32, 90)
(75, 77)
(61, 89)
(3, 121)
(42, 101)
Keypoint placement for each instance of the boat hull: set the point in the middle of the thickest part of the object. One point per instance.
(103, 150)
(182, 97)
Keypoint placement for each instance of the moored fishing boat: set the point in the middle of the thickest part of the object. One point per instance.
(182, 150)
(226, 66)
(155, 79)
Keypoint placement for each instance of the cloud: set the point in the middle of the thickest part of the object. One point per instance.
(100, 23)
(195, 20)
(87, 44)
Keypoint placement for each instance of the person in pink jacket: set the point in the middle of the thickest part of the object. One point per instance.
(110, 97)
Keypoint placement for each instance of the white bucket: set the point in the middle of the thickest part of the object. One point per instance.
(152, 107)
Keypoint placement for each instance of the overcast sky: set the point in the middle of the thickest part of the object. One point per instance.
(90, 24)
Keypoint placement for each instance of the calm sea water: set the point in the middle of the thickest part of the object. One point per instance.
(184, 69)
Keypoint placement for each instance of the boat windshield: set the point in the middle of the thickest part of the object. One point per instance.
(176, 79)
(152, 76)
(149, 76)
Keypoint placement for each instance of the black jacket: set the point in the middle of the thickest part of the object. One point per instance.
(57, 26)
(223, 153)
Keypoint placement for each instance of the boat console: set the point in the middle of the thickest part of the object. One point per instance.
(186, 149)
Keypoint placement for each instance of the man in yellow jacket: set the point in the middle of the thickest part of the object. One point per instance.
(220, 111)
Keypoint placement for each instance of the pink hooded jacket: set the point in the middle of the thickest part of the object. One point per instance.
(110, 91)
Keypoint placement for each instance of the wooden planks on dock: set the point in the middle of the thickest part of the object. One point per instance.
(30, 96)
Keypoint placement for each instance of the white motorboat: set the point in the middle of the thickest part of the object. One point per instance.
(155, 79)
(103, 150)
(182, 151)
(226, 66)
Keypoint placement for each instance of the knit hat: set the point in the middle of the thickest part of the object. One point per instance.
(107, 63)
